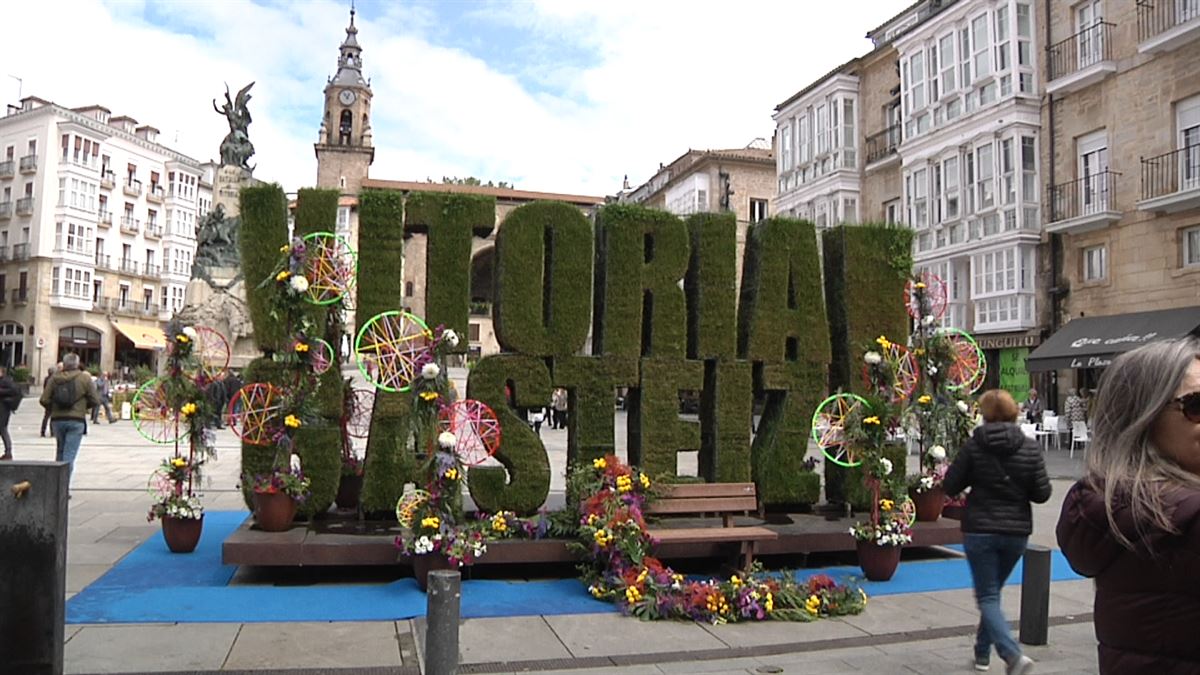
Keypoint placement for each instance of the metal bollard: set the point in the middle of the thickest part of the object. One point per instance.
(33, 555)
(441, 615)
(1035, 595)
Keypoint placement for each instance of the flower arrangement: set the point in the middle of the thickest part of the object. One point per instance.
(889, 528)
(433, 525)
(614, 539)
(290, 481)
(172, 498)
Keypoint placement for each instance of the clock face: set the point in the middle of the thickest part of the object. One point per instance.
(346, 97)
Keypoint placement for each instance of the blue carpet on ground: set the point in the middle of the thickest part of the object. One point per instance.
(152, 585)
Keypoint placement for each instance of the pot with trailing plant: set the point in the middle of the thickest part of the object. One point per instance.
(177, 507)
(879, 541)
(277, 494)
(925, 488)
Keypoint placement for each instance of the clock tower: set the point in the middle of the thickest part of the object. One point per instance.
(344, 148)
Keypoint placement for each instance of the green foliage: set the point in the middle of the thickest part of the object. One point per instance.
(391, 460)
(543, 309)
(450, 221)
(793, 391)
(526, 465)
(781, 316)
(656, 433)
(643, 255)
(259, 459)
(331, 393)
(380, 253)
(316, 210)
(142, 375)
(865, 270)
(711, 286)
(726, 416)
(591, 383)
(21, 375)
(320, 451)
(857, 494)
(263, 231)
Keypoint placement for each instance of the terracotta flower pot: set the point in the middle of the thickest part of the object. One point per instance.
(424, 564)
(182, 534)
(274, 511)
(349, 491)
(878, 563)
(929, 503)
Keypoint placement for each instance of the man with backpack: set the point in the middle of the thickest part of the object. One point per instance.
(68, 397)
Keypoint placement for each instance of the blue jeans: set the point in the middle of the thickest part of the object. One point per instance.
(992, 558)
(68, 434)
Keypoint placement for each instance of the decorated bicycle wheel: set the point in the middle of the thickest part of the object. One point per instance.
(908, 510)
(475, 427)
(153, 416)
(407, 506)
(906, 370)
(254, 413)
(391, 348)
(828, 425)
(322, 357)
(211, 355)
(329, 266)
(968, 368)
(359, 405)
(936, 293)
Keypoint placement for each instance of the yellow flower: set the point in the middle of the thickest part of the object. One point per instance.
(596, 591)
(285, 248)
(452, 474)
(872, 420)
(431, 522)
(499, 524)
(919, 351)
(676, 577)
(428, 395)
(883, 342)
(179, 462)
(624, 484)
(769, 603)
(925, 398)
(188, 409)
(864, 596)
(641, 577)
(602, 538)
(599, 463)
(301, 347)
(632, 594)
(292, 421)
(886, 504)
(919, 284)
(182, 339)
(283, 275)
(736, 581)
(591, 519)
(645, 482)
(813, 604)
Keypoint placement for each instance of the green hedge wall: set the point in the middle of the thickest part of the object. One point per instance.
(320, 451)
(643, 254)
(451, 220)
(781, 316)
(380, 253)
(543, 280)
(656, 433)
(391, 460)
(711, 286)
(524, 482)
(316, 211)
(792, 391)
(591, 383)
(257, 459)
(726, 417)
(263, 231)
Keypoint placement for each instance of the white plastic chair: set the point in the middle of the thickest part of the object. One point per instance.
(1052, 427)
(1079, 435)
(1030, 430)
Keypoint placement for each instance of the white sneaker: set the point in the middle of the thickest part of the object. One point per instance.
(1022, 666)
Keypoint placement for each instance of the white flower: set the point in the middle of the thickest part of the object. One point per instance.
(299, 283)
(430, 371)
(963, 407)
(450, 337)
(887, 465)
(447, 440)
(933, 370)
(872, 358)
(191, 333)
(928, 320)
(422, 546)
(937, 452)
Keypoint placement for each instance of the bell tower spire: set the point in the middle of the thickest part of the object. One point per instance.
(344, 144)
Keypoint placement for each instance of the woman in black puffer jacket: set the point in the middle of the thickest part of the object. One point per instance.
(1005, 471)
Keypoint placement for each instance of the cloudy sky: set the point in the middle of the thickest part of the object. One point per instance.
(552, 95)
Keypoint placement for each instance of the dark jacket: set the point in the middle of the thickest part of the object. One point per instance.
(10, 393)
(86, 397)
(1147, 604)
(998, 504)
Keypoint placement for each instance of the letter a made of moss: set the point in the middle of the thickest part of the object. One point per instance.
(656, 433)
(640, 308)
(450, 221)
(380, 253)
(711, 286)
(591, 383)
(524, 482)
(263, 231)
(544, 280)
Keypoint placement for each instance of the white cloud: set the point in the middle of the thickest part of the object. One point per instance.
(663, 77)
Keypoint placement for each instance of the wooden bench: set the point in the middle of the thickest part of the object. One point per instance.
(723, 499)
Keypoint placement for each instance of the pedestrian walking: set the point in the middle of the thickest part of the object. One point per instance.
(46, 385)
(559, 404)
(104, 390)
(10, 400)
(69, 395)
(536, 419)
(1034, 407)
(1005, 471)
(1132, 523)
(1076, 409)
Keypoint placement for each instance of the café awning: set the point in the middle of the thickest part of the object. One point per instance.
(1094, 341)
(143, 337)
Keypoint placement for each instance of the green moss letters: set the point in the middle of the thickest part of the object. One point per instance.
(711, 286)
(656, 432)
(263, 231)
(591, 382)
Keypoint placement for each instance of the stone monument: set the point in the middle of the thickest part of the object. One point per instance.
(216, 295)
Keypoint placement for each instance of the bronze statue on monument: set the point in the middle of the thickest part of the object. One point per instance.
(236, 149)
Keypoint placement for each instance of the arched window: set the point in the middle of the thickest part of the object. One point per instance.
(80, 340)
(12, 344)
(345, 128)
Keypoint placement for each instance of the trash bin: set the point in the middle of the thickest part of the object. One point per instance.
(126, 410)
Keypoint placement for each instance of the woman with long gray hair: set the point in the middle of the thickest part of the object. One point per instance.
(1133, 522)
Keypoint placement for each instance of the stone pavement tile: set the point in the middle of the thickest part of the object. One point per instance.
(508, 639)
(154, 648)
(610, 670)
(904, 664)
(315, 645)
(822, 661)
(1082, 592)
(80, 576)
(917, 611)
(752, 634)
(710, 667)
(69, 631)
(130, 534)
(613, 634)
(939, 645)
(96, 554)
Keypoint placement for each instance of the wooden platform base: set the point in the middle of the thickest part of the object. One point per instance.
(337, 542)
